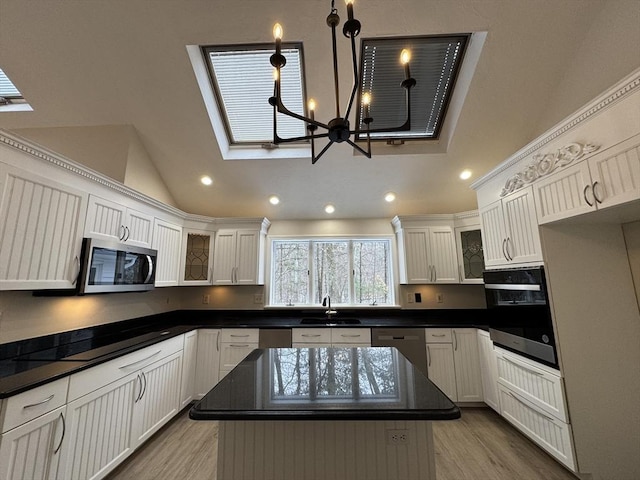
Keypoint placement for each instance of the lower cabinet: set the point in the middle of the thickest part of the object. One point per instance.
(33, 450)
(489, 370)
(453, 363)
(532, 399)
(208, 361)
(235, 345)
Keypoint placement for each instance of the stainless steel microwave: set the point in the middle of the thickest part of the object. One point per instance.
(109, 267)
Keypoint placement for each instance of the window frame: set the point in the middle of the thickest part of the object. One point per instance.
(314, 239)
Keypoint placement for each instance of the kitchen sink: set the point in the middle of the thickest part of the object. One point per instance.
(326, 321)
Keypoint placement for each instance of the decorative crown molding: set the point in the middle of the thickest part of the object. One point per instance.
(546, 163)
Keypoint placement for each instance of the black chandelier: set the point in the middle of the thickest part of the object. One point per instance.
(338, 129)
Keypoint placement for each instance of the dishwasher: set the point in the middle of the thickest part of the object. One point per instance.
(410, 342)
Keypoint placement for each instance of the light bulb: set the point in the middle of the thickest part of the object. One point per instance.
(390, 197)
(274, 200)
(277, 31)
(206, 180)
(329, 208)
(348, 2)
(465, 174)
(311, 104)
(275, 74)
(405, 56)
(366, 99)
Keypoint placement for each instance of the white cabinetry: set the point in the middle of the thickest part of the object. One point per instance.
(469, 247)
(167, 238)
(113, 221)
(489, 370)
(427, 254)
(196, 265)
(236, 343)
(532, 399)
(608, 178)
(33, 443)
(208, 363)
(41, 225)
(330, 337)
(453, 363)
(189, 361)
(239, 256)
(510, 234)
(115, 406)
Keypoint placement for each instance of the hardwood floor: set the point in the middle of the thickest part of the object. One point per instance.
(479, 446)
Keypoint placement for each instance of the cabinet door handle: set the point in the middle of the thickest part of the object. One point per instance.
(139, 361)
(584, 194)
(64, 431)
(428, 356)
(128, 234)
(455, 341)
(310, 335)
(523, 403)
(138, 380)
(217, 341)
(239, 336)
(595, 192)
(350, 336)
(504, 251)
(144, 390)
(439, 335)
(37, 404)
(76, 260)
(122, 233)
(509, 249)
(239, 346)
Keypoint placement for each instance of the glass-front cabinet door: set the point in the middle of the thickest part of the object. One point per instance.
(197, 258)
(470, 254)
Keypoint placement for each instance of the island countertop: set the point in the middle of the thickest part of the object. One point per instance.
(363, 383)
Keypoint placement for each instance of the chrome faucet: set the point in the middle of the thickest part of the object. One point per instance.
(326, 302)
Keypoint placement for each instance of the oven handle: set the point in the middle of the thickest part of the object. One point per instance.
(512, 286)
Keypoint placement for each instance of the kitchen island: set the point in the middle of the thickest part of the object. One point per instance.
(319, 413)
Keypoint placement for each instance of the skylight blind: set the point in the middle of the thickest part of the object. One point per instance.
(244, 80)
(7, 88)
(434, 64)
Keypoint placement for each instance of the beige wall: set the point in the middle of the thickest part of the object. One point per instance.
(24, 316)
(632, 239)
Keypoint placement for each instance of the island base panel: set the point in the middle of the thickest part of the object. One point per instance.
(321, 450)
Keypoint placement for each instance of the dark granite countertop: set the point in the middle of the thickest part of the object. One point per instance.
(29, 363)
(365, 383)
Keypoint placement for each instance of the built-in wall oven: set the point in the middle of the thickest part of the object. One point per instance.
(519, 313)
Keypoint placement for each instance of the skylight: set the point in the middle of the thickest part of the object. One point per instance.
(435, 62)
(7, 88)
(242, 77)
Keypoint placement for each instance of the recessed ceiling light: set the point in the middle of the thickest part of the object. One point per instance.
(389, 197)
(206, 180)
(274, 200)
(329, 208)
(465, 174)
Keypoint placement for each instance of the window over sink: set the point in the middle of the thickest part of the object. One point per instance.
(352, 272)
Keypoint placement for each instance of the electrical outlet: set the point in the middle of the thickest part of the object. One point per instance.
(439, 298)
(410, 297)
(205, 299)
(258, 298)
(397, 437)
(418, 298)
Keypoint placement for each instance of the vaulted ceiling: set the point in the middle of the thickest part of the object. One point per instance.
(125, 62)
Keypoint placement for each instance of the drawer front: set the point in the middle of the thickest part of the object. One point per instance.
(438, 335)
(244, 335)
(91, 379)
(31, 404)
(548, 432)
(533, 382)
(356, 336)
(311, 335)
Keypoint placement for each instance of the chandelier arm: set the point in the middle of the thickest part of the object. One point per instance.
(326, 147)
(284, 110)
(360, 149)
(299, 139)
(402, 128)
(335, 70)
(356, 77)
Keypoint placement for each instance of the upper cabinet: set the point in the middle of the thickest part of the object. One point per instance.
(238, 257)
(426, 250)
(197, 257)
(469, 247)
(510, 234)
(609, 177)
(41, 225)
(113, 221)
(167, 240)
